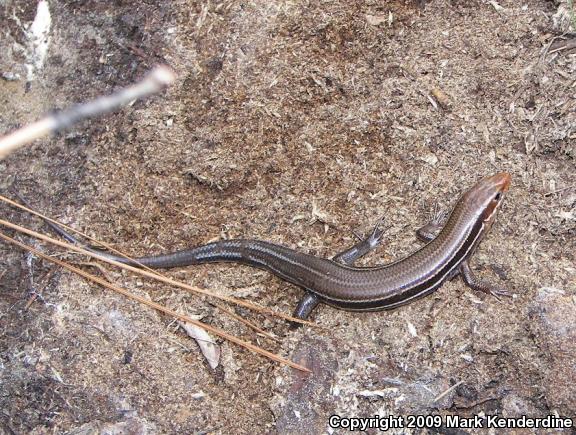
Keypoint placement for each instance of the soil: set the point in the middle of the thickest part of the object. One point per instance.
(299, 123)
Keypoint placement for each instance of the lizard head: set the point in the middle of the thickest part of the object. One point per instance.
(487, 195)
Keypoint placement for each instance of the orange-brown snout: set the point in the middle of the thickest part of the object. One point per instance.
(501, 180)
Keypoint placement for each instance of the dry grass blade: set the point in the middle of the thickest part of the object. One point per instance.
(156, 306)
(148, 272)
(48, 219)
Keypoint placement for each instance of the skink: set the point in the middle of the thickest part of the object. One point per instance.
(338, 283)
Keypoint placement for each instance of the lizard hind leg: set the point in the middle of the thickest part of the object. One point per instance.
(305, 306)
(310, 300)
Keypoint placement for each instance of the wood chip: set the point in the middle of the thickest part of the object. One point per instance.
(207, 345)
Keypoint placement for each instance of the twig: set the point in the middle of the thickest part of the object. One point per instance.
(156, 306)
(478, 402)
(453, 387)
(155, 81)
(562, 189)
(567, 46)
(155, 275)
(546, 50)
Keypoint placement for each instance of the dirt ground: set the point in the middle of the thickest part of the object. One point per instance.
(298, 123)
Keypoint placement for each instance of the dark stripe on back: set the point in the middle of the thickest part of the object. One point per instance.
(418, 291)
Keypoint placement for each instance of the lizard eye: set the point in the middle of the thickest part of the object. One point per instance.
(498, 196)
